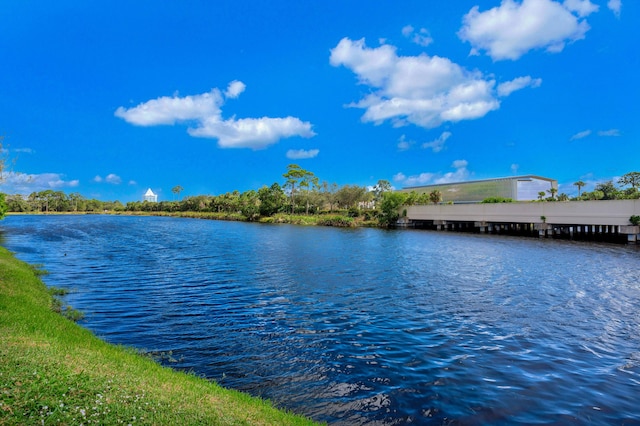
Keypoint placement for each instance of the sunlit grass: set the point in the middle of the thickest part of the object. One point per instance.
(53, 371)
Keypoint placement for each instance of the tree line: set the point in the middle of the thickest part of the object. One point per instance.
(300, 193)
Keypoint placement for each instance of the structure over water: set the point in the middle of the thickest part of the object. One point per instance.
(150, 196)
(518, 188)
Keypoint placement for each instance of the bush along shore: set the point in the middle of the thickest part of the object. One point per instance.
(53, 371)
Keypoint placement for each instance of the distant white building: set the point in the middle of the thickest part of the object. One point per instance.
(150, 196)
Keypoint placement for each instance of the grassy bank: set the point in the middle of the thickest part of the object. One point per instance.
(53, 371)
(329, 219)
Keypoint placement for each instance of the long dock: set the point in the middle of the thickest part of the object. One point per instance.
(603, 220)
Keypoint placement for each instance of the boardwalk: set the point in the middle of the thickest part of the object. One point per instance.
(597, 220)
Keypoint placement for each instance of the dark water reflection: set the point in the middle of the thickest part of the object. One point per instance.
(362, 326)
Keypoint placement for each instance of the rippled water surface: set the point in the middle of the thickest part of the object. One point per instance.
(361, 326)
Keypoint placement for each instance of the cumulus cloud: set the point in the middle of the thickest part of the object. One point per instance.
(170, 110)
(460, 174)
(420, 37)
(438, 144)
(110, 178)
(421, 90)
(399, 177)
(514, 28)
(24, 183)
(204, 113)
(508, 87)
(234, 89)
(113, 179)
(301, 154)
(615, 6)
(581, 7)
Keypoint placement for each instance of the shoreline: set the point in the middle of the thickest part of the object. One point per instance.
(54, 370)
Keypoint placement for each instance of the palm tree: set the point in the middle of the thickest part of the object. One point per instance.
(579, 184)
(553, 191)
(435, 196)
(541, 195)
(177, 190)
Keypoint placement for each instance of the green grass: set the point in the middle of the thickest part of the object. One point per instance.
(53, 371)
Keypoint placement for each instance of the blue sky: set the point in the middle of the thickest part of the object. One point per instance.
(108, 98)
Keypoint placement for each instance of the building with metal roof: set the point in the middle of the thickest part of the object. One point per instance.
(518, 188)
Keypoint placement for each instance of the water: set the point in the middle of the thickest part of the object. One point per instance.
(361, 326)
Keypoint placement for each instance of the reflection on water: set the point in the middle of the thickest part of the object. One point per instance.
(361, 326)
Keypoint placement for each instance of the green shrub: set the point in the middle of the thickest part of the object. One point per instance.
(494, 200)
(353, 212)
(635, 220)
(335, 220)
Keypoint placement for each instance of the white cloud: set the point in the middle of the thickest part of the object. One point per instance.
(438, 144)
(611, 132)
(204, 111)
(133, 182)
(301, 154)
(255, 133)
(422, 90)
(234, 89)
(581, 7)
(98, 179)
(580, 135)
(515, 168)
(399, 177)
(508, 87)
(415, 180)
(615, 6)
(24, 150)
(513, 28)
(404, 144)
(23, 183)
(420, 37)
(170, 110)
(113, 179)
(460, 174)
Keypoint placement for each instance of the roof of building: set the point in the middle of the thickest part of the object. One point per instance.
(519, 178)
(149, 193)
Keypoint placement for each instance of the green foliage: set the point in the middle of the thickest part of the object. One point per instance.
(336, 220)
(435, 196)
(580, 184)
(353, 212)
(391, 202)
(609, 190)
(494, 200)
(349, 195)
(298, 179)
(38, 269)
(380, 188)
(631, 178)
(176, 190)
(272, 199)
(3, 206)
(635, 220)
(57, 291)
